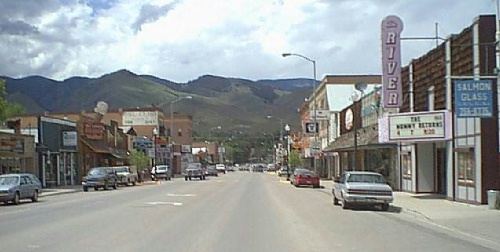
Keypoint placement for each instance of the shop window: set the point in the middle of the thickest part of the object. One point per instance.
(465, 162)
(406, 165)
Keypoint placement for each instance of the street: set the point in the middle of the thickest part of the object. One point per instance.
(233, 212)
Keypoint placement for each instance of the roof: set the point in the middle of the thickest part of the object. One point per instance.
(367, 139)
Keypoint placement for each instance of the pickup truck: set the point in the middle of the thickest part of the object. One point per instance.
(125, 175)
(194, 170)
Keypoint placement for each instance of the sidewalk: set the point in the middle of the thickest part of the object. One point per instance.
(471, 220)
(78, 188)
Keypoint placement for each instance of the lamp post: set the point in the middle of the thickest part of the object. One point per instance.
(287, 130)
(355, 98)
(315, 143)
(155, 133)
(171, 142)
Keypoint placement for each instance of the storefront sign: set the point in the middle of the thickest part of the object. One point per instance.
(11, 144)
(93, 130)
(473, 98)
(425, 126)
(134, 118)
(69, 138)
(391, 62)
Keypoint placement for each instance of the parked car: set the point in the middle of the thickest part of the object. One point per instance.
(15, 187)
(356, 187)
(194, 170)
(125, 175)
(221, 168)
(211, 171)
(271, 167)
(230, 168)
(305, 177)
(161, 172)
(100, 177)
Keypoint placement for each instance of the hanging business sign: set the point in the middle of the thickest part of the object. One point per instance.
(391, 62)
(420, 126)
(473, 98)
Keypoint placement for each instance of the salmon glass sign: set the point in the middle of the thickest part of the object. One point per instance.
(392, 92)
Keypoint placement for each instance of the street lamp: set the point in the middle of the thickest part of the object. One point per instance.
(355, 98)
(287, 130)
(155, 133)
(171, 143)
(315, 143)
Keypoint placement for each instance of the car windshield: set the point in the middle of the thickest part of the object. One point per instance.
(366, 178)
(122, 169)
(9, 180)
(97, 171)
(161, 168)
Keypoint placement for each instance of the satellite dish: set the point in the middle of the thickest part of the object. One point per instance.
(101, 108)
(361, 86)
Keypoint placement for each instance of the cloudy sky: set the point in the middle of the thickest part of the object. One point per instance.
(181, 40)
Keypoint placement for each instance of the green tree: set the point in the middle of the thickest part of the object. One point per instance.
(294, 160)
(140, 161)
(8, 109)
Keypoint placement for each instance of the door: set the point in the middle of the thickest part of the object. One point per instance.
(441, 171)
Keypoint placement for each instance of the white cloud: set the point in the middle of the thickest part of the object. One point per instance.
(180, 40)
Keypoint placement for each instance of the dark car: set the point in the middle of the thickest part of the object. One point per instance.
(100, 177)
(14, 187)
(212, 171)
(305, 177)
(194, 170)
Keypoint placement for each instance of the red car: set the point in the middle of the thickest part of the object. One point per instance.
(305, 177)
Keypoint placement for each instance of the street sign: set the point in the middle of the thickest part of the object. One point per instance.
(320, 115)
(311, 128)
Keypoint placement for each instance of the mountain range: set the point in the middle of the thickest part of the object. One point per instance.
(234, 104)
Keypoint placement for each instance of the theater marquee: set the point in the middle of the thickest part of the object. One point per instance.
(420, 126)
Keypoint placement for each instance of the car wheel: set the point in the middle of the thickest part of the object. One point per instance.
(96, 188)
(16, 198)
(35, 196)
(134, 183)
(85, 189)
(189, 177)
(115, 185)
(345, 205)
(185, 178)
(106, 186)
(385, 206)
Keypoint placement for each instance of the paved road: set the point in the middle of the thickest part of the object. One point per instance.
(233, 212)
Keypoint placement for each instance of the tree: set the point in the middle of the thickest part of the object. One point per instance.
(8, 109)
(140, 161)
(294, 160)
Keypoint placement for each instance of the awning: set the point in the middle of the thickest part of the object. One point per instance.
(367, 139)
(97, 146)
(119, 153)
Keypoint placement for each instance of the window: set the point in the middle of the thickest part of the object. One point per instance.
(465, 161)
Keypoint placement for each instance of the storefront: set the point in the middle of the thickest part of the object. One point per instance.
(57, 148)
(17, 154)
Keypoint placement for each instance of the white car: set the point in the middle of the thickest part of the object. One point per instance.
(161, 172)
(363, 188)
(282, 171)
(220, 168)
(125, 175)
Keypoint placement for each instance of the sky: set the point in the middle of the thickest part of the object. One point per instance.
(180, 40)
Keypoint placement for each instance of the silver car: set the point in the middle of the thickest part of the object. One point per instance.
(14, 187)
(363, 188)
